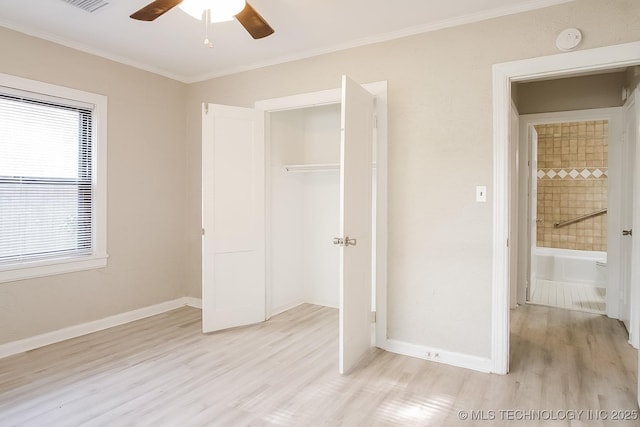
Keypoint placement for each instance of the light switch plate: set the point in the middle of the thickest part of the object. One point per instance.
(481, 193)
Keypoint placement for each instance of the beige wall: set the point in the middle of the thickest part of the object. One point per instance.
(440, 148)
(568, 94)
(146, 193)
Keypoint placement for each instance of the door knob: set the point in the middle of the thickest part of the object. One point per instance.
(627, 232)
(346, 241)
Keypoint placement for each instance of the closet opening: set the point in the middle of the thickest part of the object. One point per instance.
(303, 206)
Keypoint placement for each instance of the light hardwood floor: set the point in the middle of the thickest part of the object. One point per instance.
(162, 371)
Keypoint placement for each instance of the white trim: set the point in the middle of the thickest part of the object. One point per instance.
(334, 96)
(500, 273)
(323, 303)
(432, 354)
(302, 100)
(193, 302)
(53, 337)
(503, 75)
(281, 309)
(50, 267)
(98, 258)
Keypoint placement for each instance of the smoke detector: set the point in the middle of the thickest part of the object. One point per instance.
(568, 39)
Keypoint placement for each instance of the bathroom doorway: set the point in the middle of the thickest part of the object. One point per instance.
(570, 193)
(509, 163)
(568, 204)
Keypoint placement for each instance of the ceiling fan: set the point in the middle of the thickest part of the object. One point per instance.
(250, 19)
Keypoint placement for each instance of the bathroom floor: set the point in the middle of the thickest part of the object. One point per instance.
(578, 297)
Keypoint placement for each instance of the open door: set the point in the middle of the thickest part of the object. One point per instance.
(356, 168)
(630, 245)
(628, 163)
(233, 241)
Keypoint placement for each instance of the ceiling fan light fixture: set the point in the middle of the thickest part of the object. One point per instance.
(220, 10)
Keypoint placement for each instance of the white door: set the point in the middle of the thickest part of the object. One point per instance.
(629, 274)
(355, 224)
(533, 210)
(627, 212)
(233, 216)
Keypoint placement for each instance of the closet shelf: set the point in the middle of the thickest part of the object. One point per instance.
(315, 167)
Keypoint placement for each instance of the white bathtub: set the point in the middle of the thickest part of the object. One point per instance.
(569, 265)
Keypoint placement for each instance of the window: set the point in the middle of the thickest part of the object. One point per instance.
(52, 179)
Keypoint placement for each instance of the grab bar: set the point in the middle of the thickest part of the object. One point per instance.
(580, 218)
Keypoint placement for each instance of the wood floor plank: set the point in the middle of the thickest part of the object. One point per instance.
(162, 371)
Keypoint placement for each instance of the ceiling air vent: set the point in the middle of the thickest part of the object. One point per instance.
(88, 5)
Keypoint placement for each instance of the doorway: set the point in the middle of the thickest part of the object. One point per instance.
(570, 202)
(572, 63)
(304, 173)
(307, 163)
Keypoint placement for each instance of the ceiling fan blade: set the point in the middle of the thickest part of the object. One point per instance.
(155, 9)
(254, 23)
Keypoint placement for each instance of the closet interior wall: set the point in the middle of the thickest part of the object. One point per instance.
(304, 207)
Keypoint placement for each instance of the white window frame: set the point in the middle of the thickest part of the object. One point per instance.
(98, 257)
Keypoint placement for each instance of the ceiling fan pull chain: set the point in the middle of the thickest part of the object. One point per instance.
(207, 20)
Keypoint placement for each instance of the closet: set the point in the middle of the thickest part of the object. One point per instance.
(276, 201)
(304, 206)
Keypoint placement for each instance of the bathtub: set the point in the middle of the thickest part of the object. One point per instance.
(572, 266)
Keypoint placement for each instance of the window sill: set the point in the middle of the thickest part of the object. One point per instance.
(10, 273)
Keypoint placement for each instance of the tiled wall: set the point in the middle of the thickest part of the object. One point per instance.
(572, 181)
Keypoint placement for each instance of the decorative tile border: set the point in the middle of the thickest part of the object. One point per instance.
(586, 173)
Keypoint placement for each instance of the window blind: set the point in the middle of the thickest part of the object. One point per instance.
(46, 191)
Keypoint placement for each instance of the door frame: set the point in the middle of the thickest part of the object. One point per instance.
(328, 97)
(614, 116)
(504, 74)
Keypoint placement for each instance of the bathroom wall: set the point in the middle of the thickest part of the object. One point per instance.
(572, 181)
(571, 93)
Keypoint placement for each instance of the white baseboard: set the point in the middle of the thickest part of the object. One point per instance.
(193, 302)
(324, 303)
(281, 309)
(438, 355)
(52, 337)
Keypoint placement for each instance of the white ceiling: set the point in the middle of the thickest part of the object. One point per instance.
(173, 45)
